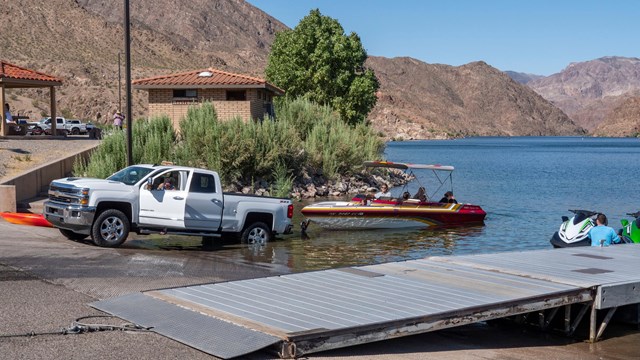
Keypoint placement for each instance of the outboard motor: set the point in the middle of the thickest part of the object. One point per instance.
(575, 231)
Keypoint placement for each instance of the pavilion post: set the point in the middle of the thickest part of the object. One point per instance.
(3, 126)
(52, 98)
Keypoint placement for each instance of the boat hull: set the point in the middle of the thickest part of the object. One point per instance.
(345, 215)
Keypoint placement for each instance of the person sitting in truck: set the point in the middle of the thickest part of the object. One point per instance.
(167, 184)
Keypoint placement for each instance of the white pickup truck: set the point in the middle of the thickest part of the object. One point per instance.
(136, 199)
(70, 126)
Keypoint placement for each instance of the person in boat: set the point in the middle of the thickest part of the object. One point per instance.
(449, 198)
(601, 234)
(421, 194)
(384, 192)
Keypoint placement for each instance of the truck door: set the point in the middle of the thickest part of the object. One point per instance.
(163, 205)
(204, 203)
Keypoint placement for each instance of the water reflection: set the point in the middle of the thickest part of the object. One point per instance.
(330, 249)
(325, 249)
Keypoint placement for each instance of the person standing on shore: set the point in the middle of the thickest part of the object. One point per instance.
(118, 119)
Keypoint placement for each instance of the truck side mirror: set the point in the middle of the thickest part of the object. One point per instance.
(149, 185)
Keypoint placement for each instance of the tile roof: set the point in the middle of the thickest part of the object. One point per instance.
(201, 78)
(13, 72)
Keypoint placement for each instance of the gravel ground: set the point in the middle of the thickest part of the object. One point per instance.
(19, 154)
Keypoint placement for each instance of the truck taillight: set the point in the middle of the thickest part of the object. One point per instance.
(290, 211)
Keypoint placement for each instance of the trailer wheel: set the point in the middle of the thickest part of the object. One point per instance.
(72, 235)
(256, 234)
(110, 229)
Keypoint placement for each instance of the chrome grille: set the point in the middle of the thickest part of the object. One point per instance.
(62, 199)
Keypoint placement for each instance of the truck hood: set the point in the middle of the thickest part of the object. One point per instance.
(94, 184)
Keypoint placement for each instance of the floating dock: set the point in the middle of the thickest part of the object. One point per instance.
(298, 314)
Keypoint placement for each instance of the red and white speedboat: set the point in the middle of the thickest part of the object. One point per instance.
(392, 213)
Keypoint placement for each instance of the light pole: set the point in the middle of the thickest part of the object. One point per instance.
(119, 84)
(127, 55)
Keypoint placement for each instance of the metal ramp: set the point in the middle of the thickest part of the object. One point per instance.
(302, 313)
(204, 333)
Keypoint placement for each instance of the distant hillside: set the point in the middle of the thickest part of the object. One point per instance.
(79, 41)
(588, 91)
(522, 78)
(623, 120)
(420, 100)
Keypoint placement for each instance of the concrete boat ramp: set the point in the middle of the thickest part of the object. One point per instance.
(298, 314)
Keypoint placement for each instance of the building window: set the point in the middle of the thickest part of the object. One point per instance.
(185, 93)
(236, 95)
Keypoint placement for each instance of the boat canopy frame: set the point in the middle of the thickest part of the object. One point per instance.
(408, 168)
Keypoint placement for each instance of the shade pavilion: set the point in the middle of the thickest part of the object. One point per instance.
(13, 76)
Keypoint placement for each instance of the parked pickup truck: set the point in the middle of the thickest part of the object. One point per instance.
(162, 199)
(70, 126)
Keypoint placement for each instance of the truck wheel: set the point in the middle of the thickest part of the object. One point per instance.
(75, 131)
(72, 235)
(256, 233)
(110, 229)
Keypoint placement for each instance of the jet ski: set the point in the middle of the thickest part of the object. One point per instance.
(574, 231)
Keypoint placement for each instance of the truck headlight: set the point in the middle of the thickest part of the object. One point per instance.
(84, 200)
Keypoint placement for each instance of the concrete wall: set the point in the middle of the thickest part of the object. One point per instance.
(36, 181)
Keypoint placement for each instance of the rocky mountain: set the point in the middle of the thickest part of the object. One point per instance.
(79, 41)
(420, 100)
(623, 120)
(522, 78)
(589, 91)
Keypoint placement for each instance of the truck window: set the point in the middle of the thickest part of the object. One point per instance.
(203, 183)
(130, 175)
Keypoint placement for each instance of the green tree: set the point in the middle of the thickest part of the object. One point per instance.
(318, 61)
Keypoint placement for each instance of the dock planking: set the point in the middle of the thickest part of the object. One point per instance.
(302, 313)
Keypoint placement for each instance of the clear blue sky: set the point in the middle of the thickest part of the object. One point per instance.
(535, 36)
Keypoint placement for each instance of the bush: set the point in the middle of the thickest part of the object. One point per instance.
(339, 149)
(304, 135)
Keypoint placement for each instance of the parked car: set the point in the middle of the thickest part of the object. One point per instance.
(162, 199)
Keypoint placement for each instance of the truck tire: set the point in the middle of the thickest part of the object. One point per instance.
(72, 235)
(75, 131)
(257, 233)
(110, 229)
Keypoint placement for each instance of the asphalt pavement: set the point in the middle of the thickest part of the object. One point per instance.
(47, 282)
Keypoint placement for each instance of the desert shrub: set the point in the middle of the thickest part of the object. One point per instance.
(302, 114)
(340, 149)
(106, 159)
(282, 181)
(153, 140)
(238, 150)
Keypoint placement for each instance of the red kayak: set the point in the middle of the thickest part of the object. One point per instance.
(26, 219)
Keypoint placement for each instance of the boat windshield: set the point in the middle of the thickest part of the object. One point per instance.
(130, 175)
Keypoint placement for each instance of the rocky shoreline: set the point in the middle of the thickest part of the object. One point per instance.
(318, 186)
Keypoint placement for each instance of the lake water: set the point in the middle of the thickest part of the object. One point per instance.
(525, 184)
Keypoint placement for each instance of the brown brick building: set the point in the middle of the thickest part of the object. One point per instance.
(231, 94)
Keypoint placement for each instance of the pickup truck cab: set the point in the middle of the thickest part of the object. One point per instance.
(162, 199)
